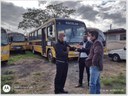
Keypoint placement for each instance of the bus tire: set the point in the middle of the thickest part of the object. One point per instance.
(4, 63)
(50, 56)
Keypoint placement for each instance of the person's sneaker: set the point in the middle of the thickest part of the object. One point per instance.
(78, 86)
(64, 92)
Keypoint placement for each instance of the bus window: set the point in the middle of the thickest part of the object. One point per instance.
(30, 36)
(4, 38)
(18, 37)
(39, 33)
(10, 39)
(51, 33)
(74, 34)
(35, 34)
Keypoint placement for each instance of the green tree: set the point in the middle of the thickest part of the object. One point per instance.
(33, 18)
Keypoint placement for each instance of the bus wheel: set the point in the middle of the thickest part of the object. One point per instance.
(4, 63)
(50, 56)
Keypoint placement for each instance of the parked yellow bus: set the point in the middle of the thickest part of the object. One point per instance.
(43, 38)
(5, 52)
(17, 42)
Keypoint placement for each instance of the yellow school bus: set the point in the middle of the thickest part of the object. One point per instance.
(17, 42)
(43, 38)
(5, 52)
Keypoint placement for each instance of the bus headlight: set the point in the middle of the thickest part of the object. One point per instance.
(17, 47)
(5, 52)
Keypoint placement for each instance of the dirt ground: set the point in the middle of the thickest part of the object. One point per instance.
(36, 76)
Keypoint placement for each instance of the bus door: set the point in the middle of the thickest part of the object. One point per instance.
(44, 41)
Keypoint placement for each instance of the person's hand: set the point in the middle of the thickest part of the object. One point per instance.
(75, 49)
(79, 46)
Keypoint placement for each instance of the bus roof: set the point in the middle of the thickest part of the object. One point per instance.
(67, 19)
(55, 19)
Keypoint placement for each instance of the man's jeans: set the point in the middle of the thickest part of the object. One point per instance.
(94, 80)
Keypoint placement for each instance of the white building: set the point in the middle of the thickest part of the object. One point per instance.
(115, 38)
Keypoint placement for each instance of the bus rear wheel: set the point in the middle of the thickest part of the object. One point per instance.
(4, 63)
(50, 56)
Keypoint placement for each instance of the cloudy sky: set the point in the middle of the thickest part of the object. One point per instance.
(95, 13)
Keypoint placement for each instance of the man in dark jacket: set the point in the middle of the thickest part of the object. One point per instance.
(95, 62)
(84, 50)
(61, 49)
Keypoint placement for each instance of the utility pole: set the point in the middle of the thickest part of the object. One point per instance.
(110, 26)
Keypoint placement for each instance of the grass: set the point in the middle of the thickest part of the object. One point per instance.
(107, 82)
(120, 79)
(117, 83)
(37, 73)
(8, 72)
(8, 76)
(119, 92)
(7, 79)
(18, 57)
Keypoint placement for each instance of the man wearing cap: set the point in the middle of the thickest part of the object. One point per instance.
(61, 49)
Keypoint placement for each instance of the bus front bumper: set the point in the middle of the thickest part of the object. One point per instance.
(17, 48)
(73, 54)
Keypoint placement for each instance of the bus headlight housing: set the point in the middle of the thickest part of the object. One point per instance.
(17, 47)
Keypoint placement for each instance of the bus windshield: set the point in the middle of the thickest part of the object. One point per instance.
(18, 38)
(74, 32)
(4, 38)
